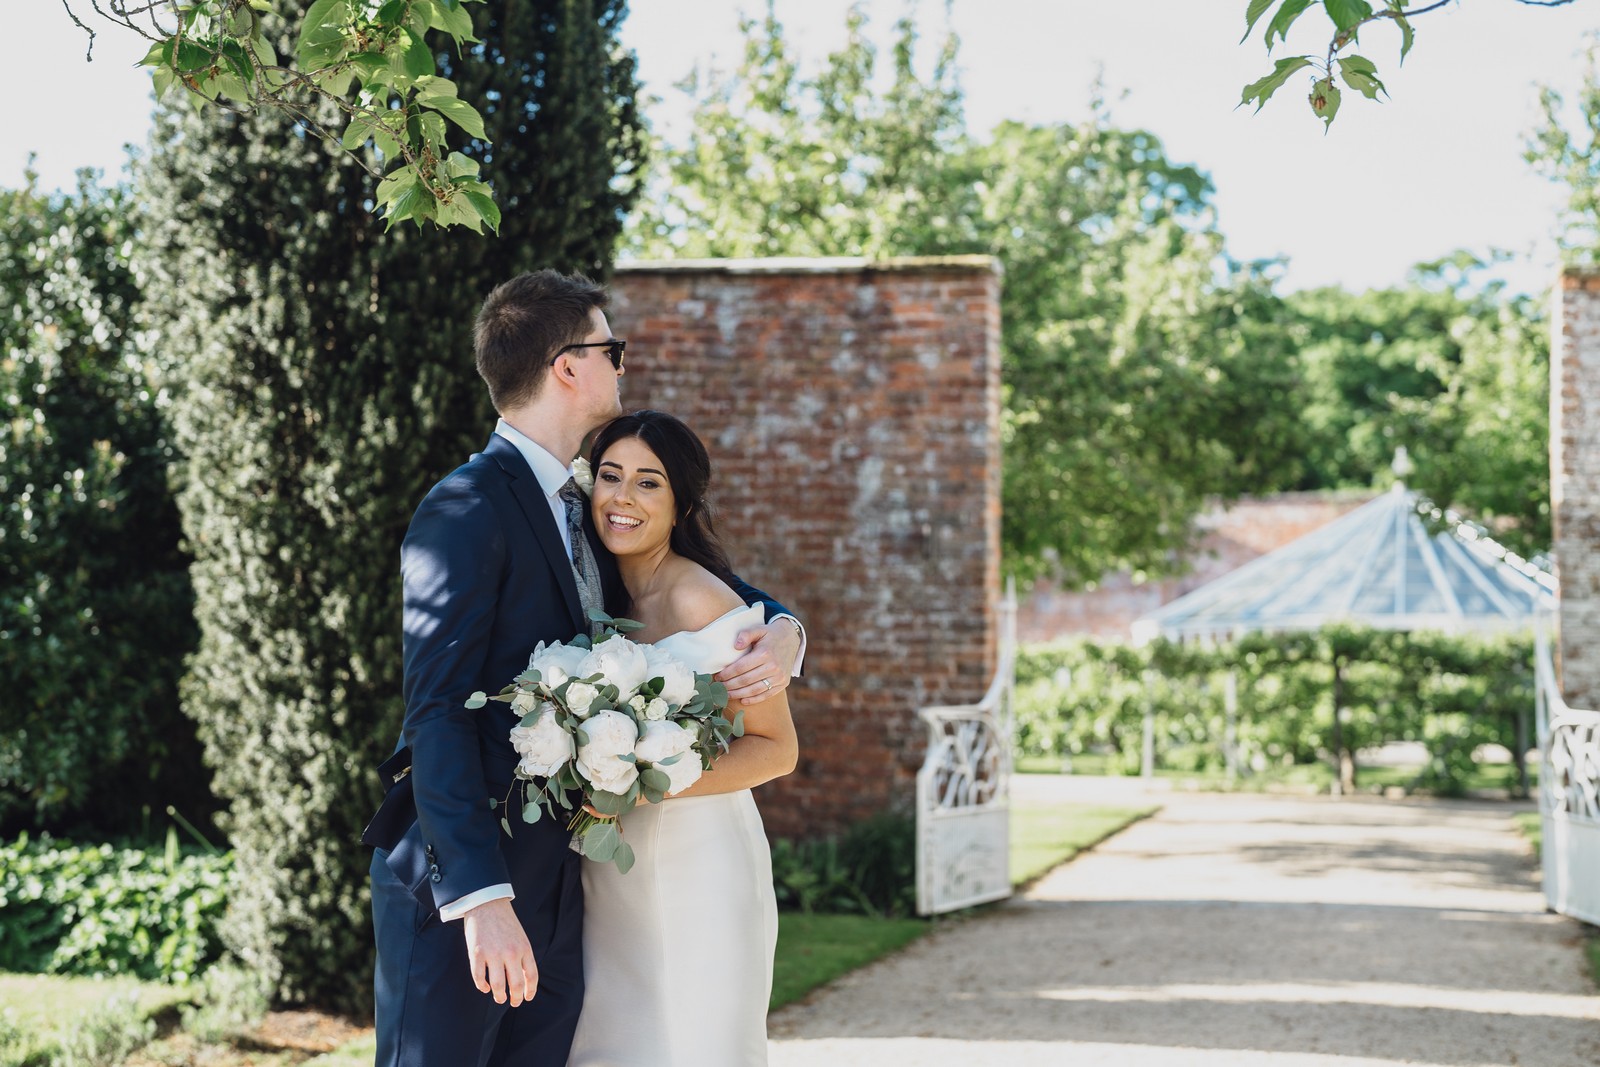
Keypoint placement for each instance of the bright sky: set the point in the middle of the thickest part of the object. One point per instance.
(1437, 167)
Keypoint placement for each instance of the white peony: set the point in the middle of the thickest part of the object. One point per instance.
(663, 740)
(557, 663)
(619, 662)
(581, 697)
(656, 709)
(544, 747)
(677, 678)
(611, 735)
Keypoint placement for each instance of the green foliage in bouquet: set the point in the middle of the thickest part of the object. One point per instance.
(102, 910)
(561, 702)
(95, 603)
(322, 381)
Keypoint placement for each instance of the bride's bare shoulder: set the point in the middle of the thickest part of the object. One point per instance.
(699, 598)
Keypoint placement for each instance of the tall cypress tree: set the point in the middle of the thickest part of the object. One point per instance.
(324, 380)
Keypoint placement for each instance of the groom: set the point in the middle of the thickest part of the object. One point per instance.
(479, 934)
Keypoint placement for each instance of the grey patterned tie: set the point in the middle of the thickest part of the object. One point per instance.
(584, 567)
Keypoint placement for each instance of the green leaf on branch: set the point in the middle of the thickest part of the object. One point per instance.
(1407, 35)
(1261, 91)
(1348, 14)
(1256, 9)
(452, 19)
(457, 111)
(1324, 100)
(1359, 74)
(1279, 26)
(459, 166)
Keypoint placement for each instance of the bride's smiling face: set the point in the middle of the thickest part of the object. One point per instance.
(632, 503)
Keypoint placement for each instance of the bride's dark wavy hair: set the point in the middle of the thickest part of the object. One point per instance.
(688, 470)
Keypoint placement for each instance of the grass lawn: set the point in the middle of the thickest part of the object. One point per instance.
(39, 1001)
(1042, 837)
(815, 949)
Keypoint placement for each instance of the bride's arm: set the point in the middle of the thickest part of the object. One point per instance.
(768, 750)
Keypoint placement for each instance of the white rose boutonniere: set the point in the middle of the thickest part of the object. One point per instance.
(583, 475)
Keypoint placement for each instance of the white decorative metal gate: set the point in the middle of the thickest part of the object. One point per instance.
(964, 792)
(1569, 796)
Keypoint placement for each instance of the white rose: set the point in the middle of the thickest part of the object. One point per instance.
(637, 703)
(677, 678)
(581, 697)
(656, 710)
(611, 735)
(583, 475)
(524, 702)
(557, 663)
(619, 662)
(544, 747)
(663, 740)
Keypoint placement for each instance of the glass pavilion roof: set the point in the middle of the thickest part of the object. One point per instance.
(1378, 566)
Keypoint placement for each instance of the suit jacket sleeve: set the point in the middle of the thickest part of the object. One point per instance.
(451, 565)
(751, 595)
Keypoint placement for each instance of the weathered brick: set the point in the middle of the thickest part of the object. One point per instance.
(1575, 478)
(852, 411)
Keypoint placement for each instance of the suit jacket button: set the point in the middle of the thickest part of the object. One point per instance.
(437, 877)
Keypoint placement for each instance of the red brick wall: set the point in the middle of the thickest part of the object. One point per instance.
(852, 415)
(1575, 479)
(1230, 537)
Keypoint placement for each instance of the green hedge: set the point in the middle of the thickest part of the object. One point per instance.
(871, 869)
(103, 910)
(1452, 693)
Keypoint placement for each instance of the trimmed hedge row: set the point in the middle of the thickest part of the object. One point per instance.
(98, 909)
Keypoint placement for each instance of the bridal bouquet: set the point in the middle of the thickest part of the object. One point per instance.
(614, 721)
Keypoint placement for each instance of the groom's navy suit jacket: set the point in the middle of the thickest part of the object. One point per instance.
(487, 577)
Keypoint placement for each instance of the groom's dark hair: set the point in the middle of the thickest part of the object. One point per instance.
(523, 323)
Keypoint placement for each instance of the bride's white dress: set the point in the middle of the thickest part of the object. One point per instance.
(677, 953)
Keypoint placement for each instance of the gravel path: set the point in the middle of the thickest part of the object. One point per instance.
(1237, 931)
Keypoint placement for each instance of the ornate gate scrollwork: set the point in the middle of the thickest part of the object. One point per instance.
(963, 792)
(1569, 796)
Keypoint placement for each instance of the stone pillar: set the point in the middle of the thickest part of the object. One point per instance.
(1575, 479)
(851, 409)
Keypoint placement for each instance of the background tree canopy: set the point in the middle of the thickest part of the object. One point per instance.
(1145, 372)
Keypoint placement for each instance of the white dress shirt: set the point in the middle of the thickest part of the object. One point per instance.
(552, 474)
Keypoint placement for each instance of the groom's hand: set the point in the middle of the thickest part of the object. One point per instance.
(765, 667)
(499, 953)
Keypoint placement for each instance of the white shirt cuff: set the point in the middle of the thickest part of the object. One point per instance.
(800, 657)
(457, 908)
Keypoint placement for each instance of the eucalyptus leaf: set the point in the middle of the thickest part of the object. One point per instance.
(624, 857)
(505, 824)
(478, 699)
(655, 779)
(531, 812)
(600, 841)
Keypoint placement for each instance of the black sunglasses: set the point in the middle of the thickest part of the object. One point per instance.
(614, 349)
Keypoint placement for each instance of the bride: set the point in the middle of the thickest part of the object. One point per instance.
(677, 953)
